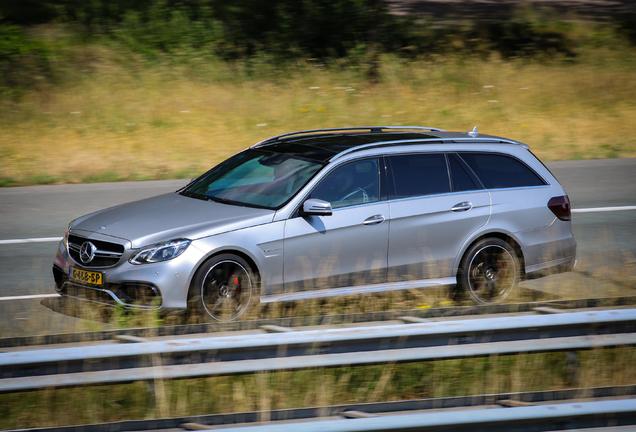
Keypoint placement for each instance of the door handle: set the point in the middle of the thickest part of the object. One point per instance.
(374, 220)
(463, 206)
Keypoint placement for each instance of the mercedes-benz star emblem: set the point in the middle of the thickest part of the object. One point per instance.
(87, 252)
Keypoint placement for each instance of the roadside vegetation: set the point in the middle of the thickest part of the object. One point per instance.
(167, 91)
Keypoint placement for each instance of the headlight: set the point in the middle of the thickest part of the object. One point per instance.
(163, 251)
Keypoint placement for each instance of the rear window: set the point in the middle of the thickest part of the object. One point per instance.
(419, 175)
(500, 171)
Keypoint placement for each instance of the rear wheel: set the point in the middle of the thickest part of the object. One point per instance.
(489, 271)
(223, 288)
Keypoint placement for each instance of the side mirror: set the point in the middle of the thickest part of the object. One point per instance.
(316, 207)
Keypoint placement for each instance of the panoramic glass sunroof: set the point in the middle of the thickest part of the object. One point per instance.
(324, 146)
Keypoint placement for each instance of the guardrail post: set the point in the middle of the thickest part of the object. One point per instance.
(572, 367)
(157, 388)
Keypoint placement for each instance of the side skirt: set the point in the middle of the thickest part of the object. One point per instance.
(362, 289)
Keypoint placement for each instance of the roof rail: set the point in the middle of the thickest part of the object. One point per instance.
(430, 140)
(372, 129)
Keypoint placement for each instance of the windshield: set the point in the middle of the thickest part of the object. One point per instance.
(255, 178)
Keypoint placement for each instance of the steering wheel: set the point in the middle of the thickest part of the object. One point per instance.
(365, 196)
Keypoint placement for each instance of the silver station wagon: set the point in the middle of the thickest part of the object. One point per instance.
(329, 212)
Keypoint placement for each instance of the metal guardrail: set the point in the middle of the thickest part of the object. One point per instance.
(314, 417)
(553, 417)
(239, 354)
(425, 313)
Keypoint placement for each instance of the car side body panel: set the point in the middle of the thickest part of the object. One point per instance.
(345, 249)
(262, 245)
(426, 233)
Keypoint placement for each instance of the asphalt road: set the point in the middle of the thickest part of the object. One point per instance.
(606, 239)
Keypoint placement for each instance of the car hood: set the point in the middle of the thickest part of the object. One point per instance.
(167, 217)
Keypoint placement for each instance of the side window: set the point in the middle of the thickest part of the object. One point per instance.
(419, 175)
(500, 171)
(459, 178)
(354, 183)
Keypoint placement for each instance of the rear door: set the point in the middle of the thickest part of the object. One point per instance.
(436, 205)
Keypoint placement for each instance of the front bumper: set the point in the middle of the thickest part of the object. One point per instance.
(162, 285)
(129, 295)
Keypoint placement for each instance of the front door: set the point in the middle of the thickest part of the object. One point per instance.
(348, 247)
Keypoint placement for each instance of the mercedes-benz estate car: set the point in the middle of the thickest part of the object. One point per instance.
(329, 212)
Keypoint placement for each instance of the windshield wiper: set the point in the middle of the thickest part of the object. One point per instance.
(219, 200)
(207, 197)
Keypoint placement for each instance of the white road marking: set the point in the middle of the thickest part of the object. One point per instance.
(57, 239)
(603, 209)
(31, 240)
(28, 297)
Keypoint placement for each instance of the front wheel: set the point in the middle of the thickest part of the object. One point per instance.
(489, 271)
(223, 288)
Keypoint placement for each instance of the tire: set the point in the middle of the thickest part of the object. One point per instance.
(223, 288)
(489, 271)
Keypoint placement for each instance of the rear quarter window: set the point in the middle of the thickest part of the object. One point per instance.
(498, 171)
(460, 179)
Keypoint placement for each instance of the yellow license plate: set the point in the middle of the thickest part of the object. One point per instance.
(89, 277)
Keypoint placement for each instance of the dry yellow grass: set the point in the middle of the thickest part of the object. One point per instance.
(140, 123)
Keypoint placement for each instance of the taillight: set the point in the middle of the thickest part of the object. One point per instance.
(560, 206)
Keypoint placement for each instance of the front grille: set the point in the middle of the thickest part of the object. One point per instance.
(107, 254)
